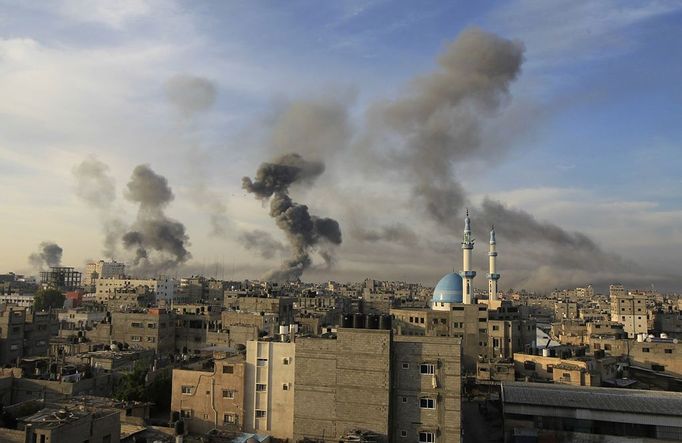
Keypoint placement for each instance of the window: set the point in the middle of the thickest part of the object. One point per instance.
(229, 419)
(550, 368)
(404, 399)
(228, 393)
(286, 360)
(187, 389)
(403, 433)
(261, 387)
(262, 362)
(529, 365)
(151, 325)
(260, 413)
(645, 349)
(426, 369)
(668, 351)
(421, 320)
(496, 328)
(427, 437)
(186, 413)
(607, 347)
(566, 376)
(285, 387)
(136, 338)
(228, 369)
(427, 403)
(151, 339)
(406, 366)
(137, 324)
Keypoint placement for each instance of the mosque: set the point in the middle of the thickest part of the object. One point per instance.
(457, 288)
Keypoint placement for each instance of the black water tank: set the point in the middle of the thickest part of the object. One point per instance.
(358, 321)
(372, 321)
(347, 321)
(385, 322)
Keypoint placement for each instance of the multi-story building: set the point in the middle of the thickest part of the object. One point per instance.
(62, 278)
(153, 328)
(630, 310)
(211, 398)
(269, 388)
(102, 269)
(163, 287)
(12, 320)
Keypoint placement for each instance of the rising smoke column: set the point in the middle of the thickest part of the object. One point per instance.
(50, 254)
(439, 125)
(438, 121)
(193, 96)
(159, 242)
(96, 187)
(304, 231)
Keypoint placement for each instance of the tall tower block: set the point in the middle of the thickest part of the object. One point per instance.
(467, 274)
(492, 272)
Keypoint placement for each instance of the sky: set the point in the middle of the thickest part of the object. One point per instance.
(576, 135)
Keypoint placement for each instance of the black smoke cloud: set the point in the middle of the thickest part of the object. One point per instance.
(96, 187)
(50, 254)
(303, 230)
(159, 242)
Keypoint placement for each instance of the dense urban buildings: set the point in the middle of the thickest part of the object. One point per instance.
(372, 361)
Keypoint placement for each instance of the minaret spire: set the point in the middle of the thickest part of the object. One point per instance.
(492, 275)
(467, 274)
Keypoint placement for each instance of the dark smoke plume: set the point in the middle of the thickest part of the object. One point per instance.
(303, 230)
(152, 230)
(397, 233)
(96, 187)
(438, 123)
(50, 255)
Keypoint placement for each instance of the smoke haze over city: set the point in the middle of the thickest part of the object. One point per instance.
(346, 142)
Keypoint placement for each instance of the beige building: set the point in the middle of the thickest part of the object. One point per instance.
(398, 388)
(426, 389)
(53, 425)
(211, 399)
(269, 388)
(631, 310)
(153, 328)
(343, 384)
(102, 269)
(468, 322)
(580, 371)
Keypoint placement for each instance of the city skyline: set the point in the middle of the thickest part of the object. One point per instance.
(571, 149)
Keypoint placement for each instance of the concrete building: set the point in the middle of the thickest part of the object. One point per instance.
(163, 287)
(153, 328)
(102, 269)
(21, 300)
(270, 388)
(12, 320)
(364, 381)
(630, 310)
(54, 425)
(211, 398)
(426, 390)
(62, 278)
(542, 412)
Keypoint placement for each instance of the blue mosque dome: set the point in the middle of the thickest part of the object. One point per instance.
(448, 289)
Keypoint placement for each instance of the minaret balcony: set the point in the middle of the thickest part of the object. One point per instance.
(493, 276)
(467, 274)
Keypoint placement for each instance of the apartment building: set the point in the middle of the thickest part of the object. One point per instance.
(211, 398)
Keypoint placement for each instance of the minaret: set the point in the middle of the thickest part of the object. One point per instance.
(492, 276)
(467, 274)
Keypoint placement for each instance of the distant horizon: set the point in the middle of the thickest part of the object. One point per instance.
(333, 140)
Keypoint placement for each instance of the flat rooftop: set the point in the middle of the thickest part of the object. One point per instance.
(604, 399)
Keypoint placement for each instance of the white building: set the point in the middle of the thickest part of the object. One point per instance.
(269, 388)
(163, 287)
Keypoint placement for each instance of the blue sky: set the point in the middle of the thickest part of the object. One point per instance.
(598, 149)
